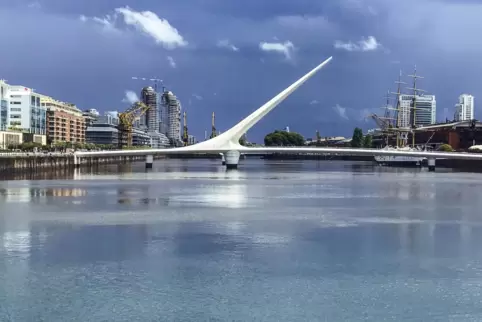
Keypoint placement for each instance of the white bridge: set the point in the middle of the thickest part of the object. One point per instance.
(228, 145)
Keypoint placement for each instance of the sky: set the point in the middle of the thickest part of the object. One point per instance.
(231, 56)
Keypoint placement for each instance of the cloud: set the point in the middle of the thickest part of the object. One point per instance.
(314, 102)
(341, 111)
(303, 22)
(171, 61)
(34, 5)
(364, 45)
(359, 6)
(157, 28)
(130, 97)
(107, 22)
(285, 48)
(365, 114)
(227, 44)
(198, 97)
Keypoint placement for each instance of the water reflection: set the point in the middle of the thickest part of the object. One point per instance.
(335, 245)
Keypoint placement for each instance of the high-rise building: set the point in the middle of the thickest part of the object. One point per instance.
(149, 97)
(424, 112)
(464, 110)
(172, 111)
(25, 112)
(191, 139)
(405, 103)
(65, 121)
(3, 105)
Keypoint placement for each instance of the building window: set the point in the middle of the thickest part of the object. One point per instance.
(15, 116)
(15, 109)
(15, 103)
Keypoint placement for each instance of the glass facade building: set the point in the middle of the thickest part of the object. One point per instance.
(425, 110)
(3, 106)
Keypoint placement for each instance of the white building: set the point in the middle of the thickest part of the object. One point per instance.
(419, 111)
(24, 111)
(464, 110)
(404, 109)
(171, 120)
(3, 105)
(191, 139)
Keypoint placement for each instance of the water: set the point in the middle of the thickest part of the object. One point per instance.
(274, 241)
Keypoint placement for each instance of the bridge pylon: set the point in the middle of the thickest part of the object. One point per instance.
(228, 141)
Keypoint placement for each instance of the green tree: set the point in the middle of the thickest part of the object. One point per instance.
(446, 148)
(367, 141)
(357, 139)
(242, 140)
(283, 138)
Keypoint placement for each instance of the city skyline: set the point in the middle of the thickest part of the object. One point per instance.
(233, 69)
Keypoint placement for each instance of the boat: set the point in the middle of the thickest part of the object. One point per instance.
(399, 160)
(400, 124)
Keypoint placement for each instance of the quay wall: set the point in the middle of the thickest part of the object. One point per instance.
(38, 161)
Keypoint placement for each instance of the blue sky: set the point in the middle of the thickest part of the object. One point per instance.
(231, 56)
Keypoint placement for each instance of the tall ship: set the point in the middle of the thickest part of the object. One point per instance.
(397, 123)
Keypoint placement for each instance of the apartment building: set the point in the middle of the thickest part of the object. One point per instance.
(464, 110)
(25, 112)
(65, 121)
(3, 105)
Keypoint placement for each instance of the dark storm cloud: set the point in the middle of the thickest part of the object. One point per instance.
(92, 65)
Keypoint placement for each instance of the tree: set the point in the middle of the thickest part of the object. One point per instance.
(242, 140)
(446, 148)
(357, 139)
(283, 138)
(367, 141)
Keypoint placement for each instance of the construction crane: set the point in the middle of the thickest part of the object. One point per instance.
(126, 122)
(185, 136)
(156, 90)
(155, 80)
(213, 127)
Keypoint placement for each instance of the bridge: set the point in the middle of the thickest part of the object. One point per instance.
(228, 145)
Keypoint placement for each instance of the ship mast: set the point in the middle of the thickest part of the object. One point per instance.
(416, 93)
(402, 134)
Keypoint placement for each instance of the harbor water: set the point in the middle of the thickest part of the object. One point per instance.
(272, 241)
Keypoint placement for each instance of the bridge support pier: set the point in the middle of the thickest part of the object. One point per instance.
(223, 159)
(76, 161)
(232, 159)
(431, 164)
(149, 161)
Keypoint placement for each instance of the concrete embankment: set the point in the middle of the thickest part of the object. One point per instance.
(52, 161)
